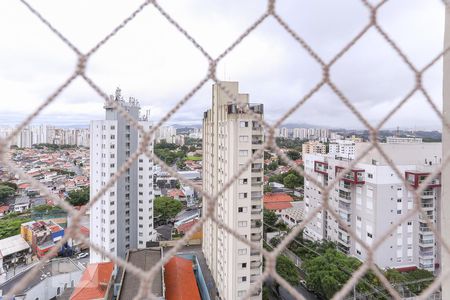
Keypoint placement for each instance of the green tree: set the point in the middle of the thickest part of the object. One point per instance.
(11, 226)
(292, 181)
(272, 166)
(267, 155)
(287, 269)
(416, 275)
(10, 184)
(166, 207)
(270, 220)
(293, 155)
(79, 197)
(5, 192)
(181, 165)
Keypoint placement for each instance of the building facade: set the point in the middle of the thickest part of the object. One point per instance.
(230, 136)
(123, 217)
(371, 198)
(314, 147)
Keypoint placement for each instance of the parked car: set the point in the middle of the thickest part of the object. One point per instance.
(82, 255)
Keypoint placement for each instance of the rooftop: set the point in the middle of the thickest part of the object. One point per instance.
(180, 280)
(12, 244)
(144, 259)
(277, 197)
(94, 282)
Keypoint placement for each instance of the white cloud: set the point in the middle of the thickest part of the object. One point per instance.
(150, 60)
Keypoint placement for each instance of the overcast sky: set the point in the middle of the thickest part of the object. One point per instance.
(151, 61)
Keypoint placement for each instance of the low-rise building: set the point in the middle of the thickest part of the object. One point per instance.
(95, 282)
(41, 235)
(14, 250)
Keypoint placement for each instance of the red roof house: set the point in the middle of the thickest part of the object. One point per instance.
(277, 201)
(180, 280)
(94, 282)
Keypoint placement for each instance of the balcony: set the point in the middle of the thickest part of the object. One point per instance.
(343, 195)
(415, 178)
(427, 206)
(255, 265)
(320, 167)
(257, 168)
(255, 253)
(256, 211)
(428, 194)
(256, 224)
(426, 253)
(426, 242)
(257, 140)
(254, 278)
(244, 108)
(256, 237)
(355, 176)
(256, 181)
(344, 206)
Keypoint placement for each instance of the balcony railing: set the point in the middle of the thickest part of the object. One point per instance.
(255, 253)
(244, 108)
(256, 211)
(320, 167)
(355, 176)
(256, 237)
(415, 178)
(255, 265)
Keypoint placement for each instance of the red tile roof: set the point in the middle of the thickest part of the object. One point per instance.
(277, 201)
(94, 282)
(4, 208)
(183, 228)
(24, 185)
(84, 231)
(277, 197)
(277, 206)
(175, 193)
(180, 280)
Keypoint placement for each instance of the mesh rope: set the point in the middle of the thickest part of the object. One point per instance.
(146, 277)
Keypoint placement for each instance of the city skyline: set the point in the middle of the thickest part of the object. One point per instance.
(156, 80)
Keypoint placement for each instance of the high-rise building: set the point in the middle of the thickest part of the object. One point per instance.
(343, 149)
(230, 136)
(123, 217)
(371, 198)
(284, 132)
(313, 147)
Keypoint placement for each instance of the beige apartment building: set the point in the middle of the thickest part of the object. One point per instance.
(230, 136)
(314, 147)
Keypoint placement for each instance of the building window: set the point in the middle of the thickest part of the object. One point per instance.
(242, 251)
(242, 209)
(243, 152)
(242, 195)
(244, 265)
(243, 124)
(243, 138)
(113, 136)
(399, 212)
(369, 175)
(369, 235)
(243, 181)
(242, 279)
(242, 223)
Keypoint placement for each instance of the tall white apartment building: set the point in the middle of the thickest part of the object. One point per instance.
(371, 198)
(343, 149)
(122, 218)
(283, 132)
(230, 136)
(402, 140)
(300, 133)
